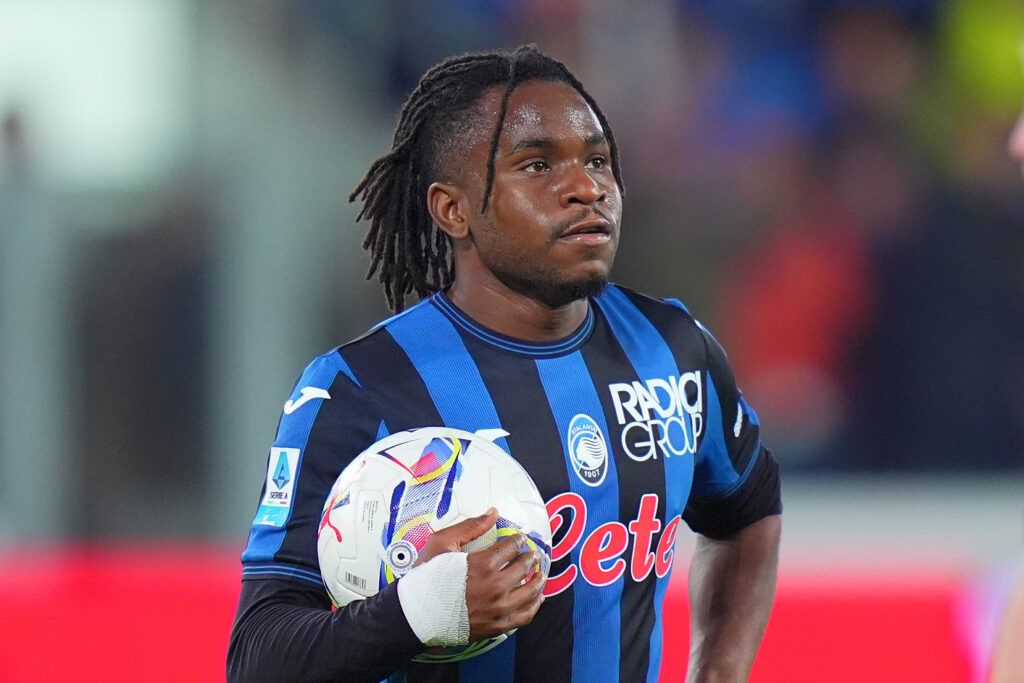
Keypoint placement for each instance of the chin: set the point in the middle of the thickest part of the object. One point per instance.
(561, 294)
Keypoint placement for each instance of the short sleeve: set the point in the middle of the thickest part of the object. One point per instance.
(736, 479)
(326, 422)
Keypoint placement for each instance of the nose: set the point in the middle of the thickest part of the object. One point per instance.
(580, 187)
(1016, 144)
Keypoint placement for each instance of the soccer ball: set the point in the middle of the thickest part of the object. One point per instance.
(395, 494)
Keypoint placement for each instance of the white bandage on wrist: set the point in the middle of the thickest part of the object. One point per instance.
(433, 597)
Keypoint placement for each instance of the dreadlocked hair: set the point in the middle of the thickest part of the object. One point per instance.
(408, 252)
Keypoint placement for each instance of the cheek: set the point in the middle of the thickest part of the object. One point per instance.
(613, 203)
(520, 214)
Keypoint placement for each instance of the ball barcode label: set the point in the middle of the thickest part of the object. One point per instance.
(355, 581)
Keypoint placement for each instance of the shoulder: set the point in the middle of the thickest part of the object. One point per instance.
(627, 306)
(644, 301)
(419, 315)
(648, 319)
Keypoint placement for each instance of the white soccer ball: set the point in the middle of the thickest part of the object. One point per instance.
(395, 494)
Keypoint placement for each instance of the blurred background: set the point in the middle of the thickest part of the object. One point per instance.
(825, 184)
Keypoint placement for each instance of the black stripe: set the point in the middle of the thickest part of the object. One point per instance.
(403, 401)
(346, 418)
(607, 362)
(399, 392)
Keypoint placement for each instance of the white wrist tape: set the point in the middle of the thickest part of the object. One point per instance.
(433, 597)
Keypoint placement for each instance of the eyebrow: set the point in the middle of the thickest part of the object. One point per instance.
(595, 138)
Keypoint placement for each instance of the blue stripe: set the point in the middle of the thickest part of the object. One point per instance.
(678, 304)
(293, 432)
(281, 570)
(452, 378)
(718, 476)
(716, 470)
(596, 610)
(387, 321)
(457, 389)
(651, 357)
(494, 666)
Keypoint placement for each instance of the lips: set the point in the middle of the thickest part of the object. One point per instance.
(595, 229)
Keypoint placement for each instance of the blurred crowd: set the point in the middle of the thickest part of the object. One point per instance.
(824, 183)
(827, 185)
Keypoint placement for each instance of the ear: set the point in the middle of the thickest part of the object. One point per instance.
(448, 205)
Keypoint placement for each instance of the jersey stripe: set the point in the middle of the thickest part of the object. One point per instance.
(720, 476)
(596, 610)
(293, 432)
(652, 358)
(452, 379)
(463, 401)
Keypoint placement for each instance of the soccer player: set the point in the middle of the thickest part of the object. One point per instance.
(499, 205)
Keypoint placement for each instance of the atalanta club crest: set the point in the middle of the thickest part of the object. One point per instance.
(587, 450)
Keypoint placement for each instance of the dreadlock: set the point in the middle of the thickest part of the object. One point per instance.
(409, 253)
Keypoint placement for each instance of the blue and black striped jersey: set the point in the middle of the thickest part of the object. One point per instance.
(641, 385)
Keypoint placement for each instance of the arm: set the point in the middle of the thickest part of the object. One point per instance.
(736, 508)
(285, 630)
(732, 587)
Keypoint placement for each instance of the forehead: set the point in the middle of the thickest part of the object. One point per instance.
(543, 109)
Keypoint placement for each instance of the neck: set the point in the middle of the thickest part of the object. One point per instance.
(513, 314)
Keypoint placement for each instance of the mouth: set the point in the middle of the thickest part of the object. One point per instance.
(594, 230)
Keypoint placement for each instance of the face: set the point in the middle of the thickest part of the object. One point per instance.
(552, 223)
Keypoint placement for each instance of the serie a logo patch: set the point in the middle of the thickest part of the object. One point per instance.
(282, 468)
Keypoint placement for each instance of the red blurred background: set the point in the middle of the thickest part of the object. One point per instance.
(163, 613)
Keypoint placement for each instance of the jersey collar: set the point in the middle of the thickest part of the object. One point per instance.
(506, 343)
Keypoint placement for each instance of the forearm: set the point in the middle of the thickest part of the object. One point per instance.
(732, 587)
(284, 633)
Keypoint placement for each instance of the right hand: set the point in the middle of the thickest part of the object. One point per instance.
(496, 597)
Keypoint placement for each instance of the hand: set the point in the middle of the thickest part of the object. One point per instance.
(452, 538)
(496, 597)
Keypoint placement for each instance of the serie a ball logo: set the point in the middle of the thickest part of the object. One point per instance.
(395, 494)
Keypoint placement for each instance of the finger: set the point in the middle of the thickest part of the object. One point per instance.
(452, 538)
(529, 591)
(472, 528)
(521, 566)
(526, 600)
(504, 551)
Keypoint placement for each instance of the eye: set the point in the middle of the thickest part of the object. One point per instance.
(536, 167)
(597, 162)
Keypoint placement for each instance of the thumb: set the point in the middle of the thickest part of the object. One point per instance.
(474, 527)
